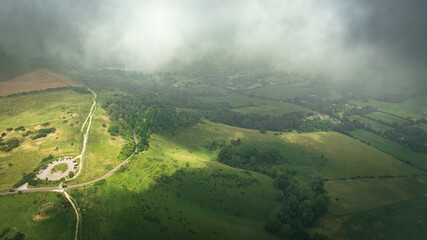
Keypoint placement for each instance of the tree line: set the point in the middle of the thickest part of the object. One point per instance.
(146, 114)
(300, 204)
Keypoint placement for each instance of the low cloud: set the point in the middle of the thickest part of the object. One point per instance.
(339, 40)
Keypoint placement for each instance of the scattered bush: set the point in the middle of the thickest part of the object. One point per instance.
(20, 128)
(9, 145)
(43, 133)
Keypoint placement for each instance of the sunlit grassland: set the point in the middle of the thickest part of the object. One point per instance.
(347, 157)
(175, 191)
(102, 149)
(63, 110)
(343, 156)
(41, 107)
(18, 213)
(409, 108)
(393, 149)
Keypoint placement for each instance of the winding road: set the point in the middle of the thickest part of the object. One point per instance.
(62, 188)
(29, 190)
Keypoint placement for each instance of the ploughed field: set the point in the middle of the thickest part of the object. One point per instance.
(33, 81)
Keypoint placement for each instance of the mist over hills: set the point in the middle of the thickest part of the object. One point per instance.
(380, 41)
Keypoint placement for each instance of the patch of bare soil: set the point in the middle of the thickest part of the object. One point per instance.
(36, 80)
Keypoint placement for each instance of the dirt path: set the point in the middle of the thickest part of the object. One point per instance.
(77, 213)
(86, 135)
(61, 188)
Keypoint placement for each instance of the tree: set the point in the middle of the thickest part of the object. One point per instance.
(114, 130)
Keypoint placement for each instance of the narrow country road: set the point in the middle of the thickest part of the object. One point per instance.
(62, 188)
(29, 190)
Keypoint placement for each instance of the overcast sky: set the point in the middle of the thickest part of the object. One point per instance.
(343, 39)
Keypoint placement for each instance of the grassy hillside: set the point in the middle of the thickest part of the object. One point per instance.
(20, 214)
(401, 220)
(347, 158)
(102, 149)
(63, 110)
(174, 191)
(321, 154)
(349, 196)
(394, 149)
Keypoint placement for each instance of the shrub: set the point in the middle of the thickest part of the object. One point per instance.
(20, 128)
(10, 144)
(114, 130)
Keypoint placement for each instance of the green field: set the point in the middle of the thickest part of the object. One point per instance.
(102, 149)
(280, 92)
(63, 110)
(401, 220)
(19, 214)
(343, 157)
(349, 196)
(60, 168)
(274, 108)
(234, 99)
(394, 149)
(409, 108)
(376, 126)
(174, 191)
(387, 118)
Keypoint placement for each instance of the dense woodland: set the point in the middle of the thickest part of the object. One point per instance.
(146, 115)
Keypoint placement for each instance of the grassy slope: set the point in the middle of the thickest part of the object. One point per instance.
(175, 191)
(102, 149)
(401, 220)
(31, 111)
(394, 149)
(351, 196)
(344, 157)
(18, 212)
(348, 158)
